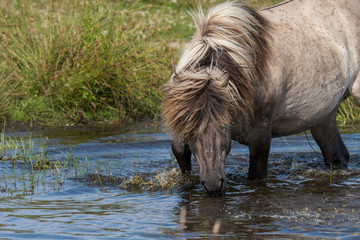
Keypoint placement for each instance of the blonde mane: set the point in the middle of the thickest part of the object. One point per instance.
(216, 77)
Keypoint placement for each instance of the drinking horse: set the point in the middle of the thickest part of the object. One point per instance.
(251, 75)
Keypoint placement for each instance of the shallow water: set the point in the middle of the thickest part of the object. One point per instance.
(301, 199)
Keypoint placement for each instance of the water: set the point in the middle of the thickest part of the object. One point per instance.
(300, 199)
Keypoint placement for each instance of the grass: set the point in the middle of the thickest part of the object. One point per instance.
(79, 62)
(348, 112)
(68, 61)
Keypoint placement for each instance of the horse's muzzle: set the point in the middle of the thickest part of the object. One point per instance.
(214, 186)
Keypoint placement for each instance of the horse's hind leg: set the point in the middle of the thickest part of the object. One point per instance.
(327, 136)
(182, 154)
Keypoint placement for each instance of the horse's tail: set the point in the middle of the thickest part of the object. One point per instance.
(198, 100)
(233, 39)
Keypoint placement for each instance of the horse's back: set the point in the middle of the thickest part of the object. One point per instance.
(335, 18)
(316, 56)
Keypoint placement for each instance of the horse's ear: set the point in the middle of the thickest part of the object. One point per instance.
(224, 78)
(174, 77)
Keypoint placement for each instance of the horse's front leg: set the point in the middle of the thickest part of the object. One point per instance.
(182, 154)
(259, 147)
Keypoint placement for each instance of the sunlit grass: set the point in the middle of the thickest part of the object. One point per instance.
(82, 61)
(348, 113)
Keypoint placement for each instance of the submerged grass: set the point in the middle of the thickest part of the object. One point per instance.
(31, 167)
(79, 61)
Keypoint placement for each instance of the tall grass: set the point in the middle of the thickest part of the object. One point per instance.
(65, 61)
(348, 112)
(80, 61)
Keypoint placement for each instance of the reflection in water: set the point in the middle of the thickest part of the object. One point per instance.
(276, 209)
(300, 199)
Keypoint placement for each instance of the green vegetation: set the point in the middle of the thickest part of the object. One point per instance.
(73, 61)
(65, 61)
(348, 112)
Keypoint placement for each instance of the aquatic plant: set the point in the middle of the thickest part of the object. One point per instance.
(166, 179)
(31, 165)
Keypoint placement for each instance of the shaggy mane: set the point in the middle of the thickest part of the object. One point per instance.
(217, 74)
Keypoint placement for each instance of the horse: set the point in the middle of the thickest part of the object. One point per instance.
(250, 75)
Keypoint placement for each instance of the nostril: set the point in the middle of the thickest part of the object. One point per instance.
(203, 184)
(221, 182)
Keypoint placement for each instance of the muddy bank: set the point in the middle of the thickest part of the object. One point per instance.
(15, 126)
